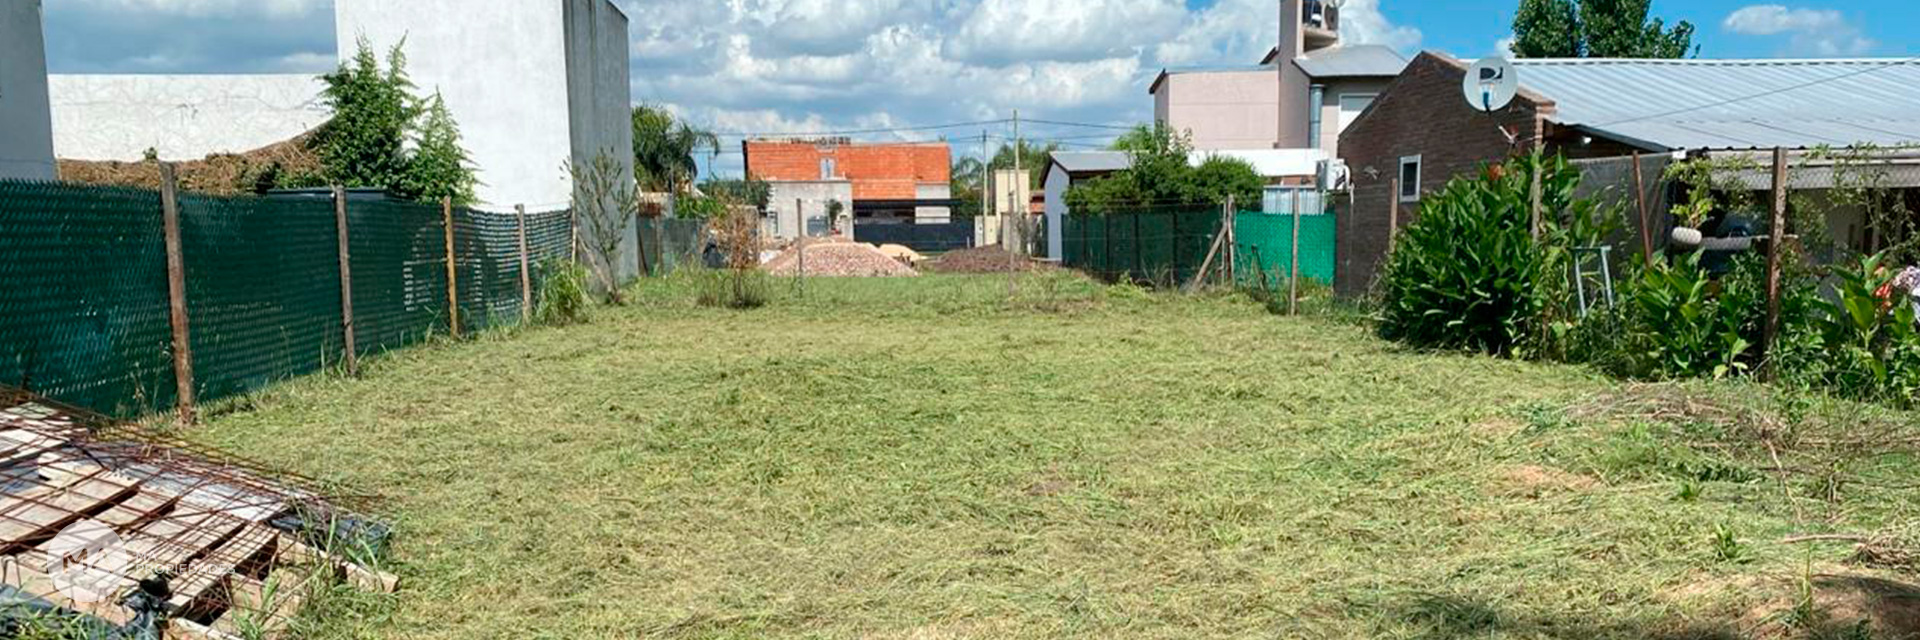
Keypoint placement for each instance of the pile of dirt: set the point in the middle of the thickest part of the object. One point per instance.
(988, 259)
(226, 174)
(839, 260)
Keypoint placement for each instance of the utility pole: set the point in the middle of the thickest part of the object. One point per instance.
(1019, 208)
(986, 185)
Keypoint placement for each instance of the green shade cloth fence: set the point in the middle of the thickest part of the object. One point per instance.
(1162, 246)
(1170, 246)
(1265, 249)
(84, 312)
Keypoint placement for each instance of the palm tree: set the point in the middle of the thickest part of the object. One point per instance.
(664, 148)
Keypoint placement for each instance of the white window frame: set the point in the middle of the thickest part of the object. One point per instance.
(1418, 169)
(828, 167)
(1340, 104)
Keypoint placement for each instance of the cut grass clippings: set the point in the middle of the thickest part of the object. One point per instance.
(922, 459)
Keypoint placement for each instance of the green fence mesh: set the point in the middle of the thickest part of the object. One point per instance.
(84, 315)
(1166, 246)
(1265, 248)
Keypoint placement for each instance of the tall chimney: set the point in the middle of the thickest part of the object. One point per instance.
(1295, 86)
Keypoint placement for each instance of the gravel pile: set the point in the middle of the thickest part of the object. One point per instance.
(840, 260)
(990, 259)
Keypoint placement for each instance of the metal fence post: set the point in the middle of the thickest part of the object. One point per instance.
(526, 277)
(177, 294)
(346, 283)
(453, 273)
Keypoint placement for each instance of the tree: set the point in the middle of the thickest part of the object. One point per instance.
(364, 145)
(664, 148)
(603, 203)
(375, 115)
(1597, 29)
(1162, 175)
(440, 167)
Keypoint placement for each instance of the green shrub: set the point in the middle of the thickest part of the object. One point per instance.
(731, 288)
(1468, 273)
(563, 293)
(1872, 346)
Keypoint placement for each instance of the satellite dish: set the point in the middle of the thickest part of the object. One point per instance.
(1491, 84)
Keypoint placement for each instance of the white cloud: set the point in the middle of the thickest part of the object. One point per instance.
(999, 32)
(1816, 32)
(1361, 22)
(785, 65)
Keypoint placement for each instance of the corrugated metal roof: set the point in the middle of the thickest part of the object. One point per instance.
(1734, 104)
(1092, 161)
(1353, 61)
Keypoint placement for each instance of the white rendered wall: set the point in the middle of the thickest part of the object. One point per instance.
(183, 117)
(501, 66)
(1056, 196)
(26, 141)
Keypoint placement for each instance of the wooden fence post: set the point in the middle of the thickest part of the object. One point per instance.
(1776, 236)
(453, 272)
(1539, 166)
(1646, 220)
(526, 276)
(346, 283)
(1293, 280)
(177, 295)
(1393, 216)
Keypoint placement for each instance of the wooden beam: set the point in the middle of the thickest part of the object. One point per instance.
(453, 271)
(1293, 278)
(177, 295)
(1646, 218)
(1776, 237)
(346, 282)
(526, 277)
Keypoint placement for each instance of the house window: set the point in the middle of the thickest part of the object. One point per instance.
(1352, 105)
(826, 168)
(1279, 199)
(1316, 99)
(1410, 179)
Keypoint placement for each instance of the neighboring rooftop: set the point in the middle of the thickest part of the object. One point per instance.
(1734, 104)
(1353, 61)
(1083, 162)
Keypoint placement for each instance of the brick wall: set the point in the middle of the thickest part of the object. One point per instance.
(1423, 113)
(877, 171)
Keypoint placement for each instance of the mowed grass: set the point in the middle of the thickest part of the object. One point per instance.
(920, 459)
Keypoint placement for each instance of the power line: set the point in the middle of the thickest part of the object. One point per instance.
(852, 132)
(1085, 125)
(1764, 94)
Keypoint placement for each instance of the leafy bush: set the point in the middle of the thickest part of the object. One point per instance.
(375, 116)
(1872, 345)
(563, 293)
(1162, 173)
(1467, 274)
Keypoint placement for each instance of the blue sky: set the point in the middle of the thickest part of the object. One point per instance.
(801, 66)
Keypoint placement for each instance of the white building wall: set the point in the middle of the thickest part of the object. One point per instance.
(599, 93)
(501, 67)
(26, 139)
(813, 199)
(1224, 109)
(182, 117)
(1056, 194)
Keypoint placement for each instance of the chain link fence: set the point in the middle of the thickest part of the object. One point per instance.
(85, 318)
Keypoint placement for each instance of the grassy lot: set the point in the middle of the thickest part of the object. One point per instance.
(918, 459)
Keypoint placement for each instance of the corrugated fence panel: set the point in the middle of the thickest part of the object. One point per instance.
(83, 311)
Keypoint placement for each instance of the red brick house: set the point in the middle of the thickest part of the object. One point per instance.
(1595, 111)
(900, 181)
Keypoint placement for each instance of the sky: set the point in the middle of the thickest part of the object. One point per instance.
(741, 67)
